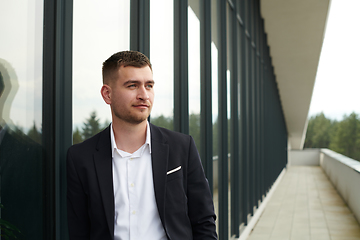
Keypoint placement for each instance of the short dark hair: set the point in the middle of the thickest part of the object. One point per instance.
(124, 58)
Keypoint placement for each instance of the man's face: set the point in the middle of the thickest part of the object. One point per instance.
(132, 94)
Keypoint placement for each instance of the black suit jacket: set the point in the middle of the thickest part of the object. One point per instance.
(183, 197)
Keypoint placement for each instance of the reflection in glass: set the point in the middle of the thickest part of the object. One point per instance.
(99, 30)
(21, 193)
(162, 60)
(215, 111)
(194, 70)
(229, 33)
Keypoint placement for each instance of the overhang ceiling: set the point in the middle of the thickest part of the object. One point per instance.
(295, 31)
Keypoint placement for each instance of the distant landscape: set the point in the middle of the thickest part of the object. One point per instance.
(340, 136)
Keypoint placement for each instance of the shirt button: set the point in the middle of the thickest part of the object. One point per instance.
(133, 212)
(132, 185)
(131, 159)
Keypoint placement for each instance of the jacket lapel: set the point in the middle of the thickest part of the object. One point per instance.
(103, 166)
(159, 157)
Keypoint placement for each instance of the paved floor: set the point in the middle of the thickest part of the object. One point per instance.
(306, 206)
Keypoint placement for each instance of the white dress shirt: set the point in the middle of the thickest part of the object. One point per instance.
(136, 213)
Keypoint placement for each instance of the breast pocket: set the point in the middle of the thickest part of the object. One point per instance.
(174, 173)
(176, 199)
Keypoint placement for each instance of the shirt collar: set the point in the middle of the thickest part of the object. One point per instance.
(148, 136)
(113, 143)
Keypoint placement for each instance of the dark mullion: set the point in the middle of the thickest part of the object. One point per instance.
(265, 143)
(239, 24)
(250, 106)
(206, 102)
(181, 91)
(257, 97)
(268, 120)
(48, 119)
(140, 26)
(57, 112)
(63, 114)
(262, 137)
(235, 159)
(273, 123)
(253, 106)
(265, 116)
(223, 126)
(244, 115)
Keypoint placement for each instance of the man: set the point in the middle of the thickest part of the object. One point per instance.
(135, 180)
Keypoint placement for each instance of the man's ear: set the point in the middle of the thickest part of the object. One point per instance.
(106, 93)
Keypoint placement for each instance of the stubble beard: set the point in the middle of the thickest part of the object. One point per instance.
(132, 118)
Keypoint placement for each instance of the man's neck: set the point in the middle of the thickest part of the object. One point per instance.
(129, 137)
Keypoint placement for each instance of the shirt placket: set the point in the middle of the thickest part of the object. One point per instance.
(133, 198)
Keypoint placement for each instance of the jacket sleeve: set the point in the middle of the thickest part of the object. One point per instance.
(200, 203)
(77, 205)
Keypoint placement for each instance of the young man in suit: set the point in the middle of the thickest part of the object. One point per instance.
(135, 180)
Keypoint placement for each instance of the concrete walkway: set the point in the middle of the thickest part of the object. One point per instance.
(306, 206)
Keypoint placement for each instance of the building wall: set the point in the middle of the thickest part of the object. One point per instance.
(214, 80)
(306, 157)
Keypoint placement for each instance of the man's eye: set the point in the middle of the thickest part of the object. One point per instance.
(132, 86)
(150, 86)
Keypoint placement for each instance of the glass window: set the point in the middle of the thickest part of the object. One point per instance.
(99, 30)
(21, 160)
(229, 71)
(215, 111)
(194, 70)
(162, 60)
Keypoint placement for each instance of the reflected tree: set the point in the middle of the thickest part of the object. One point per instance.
(161, 121)
(91, 126)
(106, 124)
(77, 136)
(34, 134)
(215, 138)
(194, 129)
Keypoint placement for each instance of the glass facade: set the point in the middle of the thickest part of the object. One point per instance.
(194, 70)
(215, 100)
(21, 159)
(162, 60)
(98, 32)
(229, 85)
(213, 79)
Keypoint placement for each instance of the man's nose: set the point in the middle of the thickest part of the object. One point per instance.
(143, 93)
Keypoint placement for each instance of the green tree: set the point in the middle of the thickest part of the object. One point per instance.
(8, 231)
(106, 123)
(194, 129)
(77, 136)
(319, 132)
(162, 121)
(347, 137)
(34, 134)
(91, 126)
(215, 138)
(19, 130)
